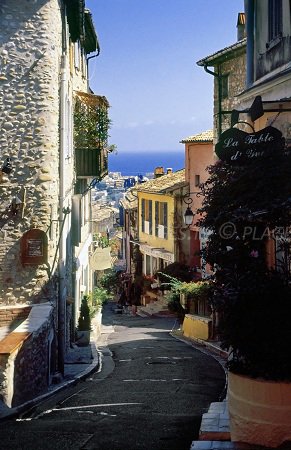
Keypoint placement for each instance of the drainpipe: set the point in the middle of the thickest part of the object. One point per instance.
(62, 216)
(218, 76)
(250, 19)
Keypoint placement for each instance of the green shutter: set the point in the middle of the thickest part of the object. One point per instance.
(150, 217)
(76, 219)
(156, 218)
(166, 220)
(142, 214)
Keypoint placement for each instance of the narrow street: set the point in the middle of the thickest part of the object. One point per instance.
(149, 393)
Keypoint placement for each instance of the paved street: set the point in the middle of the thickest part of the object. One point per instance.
(149, 393)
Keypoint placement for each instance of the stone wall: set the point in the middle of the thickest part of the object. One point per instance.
(31, 375)
(24, 356)
(236, 69)
(30, 49)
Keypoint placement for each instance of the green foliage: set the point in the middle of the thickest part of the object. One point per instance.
(197, 290)
(176, 270)
(174, 305)
(242, 203)
(110, 281)
(102, 241)
(99, 297)
(169, 282)
(84, 321)
(255, 324)
(91, 123)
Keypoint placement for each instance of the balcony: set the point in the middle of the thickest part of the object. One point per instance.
(91, 125)
(91, 162)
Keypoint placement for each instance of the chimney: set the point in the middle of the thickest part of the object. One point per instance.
(169, 170)
(241, 26)
(159, 171)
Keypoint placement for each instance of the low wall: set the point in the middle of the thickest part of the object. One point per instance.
(96, 325)
(10, 314)
(24, 357)
(197, 327)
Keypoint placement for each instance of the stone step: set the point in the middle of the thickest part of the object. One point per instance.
(152, 308)
(222, 445)
(218, 407)
(215, 423)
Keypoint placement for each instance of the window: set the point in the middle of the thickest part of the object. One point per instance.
(197, 180)
(224, 86)
(275, 19)
(146, 216)
(77, 55)
(161, 220)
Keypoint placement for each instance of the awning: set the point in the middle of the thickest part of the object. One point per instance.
(157, 252)
(92, 100)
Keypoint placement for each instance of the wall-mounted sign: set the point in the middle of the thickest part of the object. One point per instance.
(237, 146)
(34, 247)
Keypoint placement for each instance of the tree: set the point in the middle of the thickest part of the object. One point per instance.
(84, 321)
(244, 204)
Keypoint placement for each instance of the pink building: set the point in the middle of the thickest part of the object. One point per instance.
(198, 155)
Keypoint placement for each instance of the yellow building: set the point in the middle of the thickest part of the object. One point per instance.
(162, 238)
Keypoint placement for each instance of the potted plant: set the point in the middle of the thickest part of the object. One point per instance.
(84, 323)
(252, 292)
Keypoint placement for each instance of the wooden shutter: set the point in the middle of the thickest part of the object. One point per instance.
(142, 214)
(76, 219)
(150, 217)
(166, 220)
(156, 218)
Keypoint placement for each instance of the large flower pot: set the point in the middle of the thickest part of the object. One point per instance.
(259, 410)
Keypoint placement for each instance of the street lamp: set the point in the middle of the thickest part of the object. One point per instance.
(189, 215)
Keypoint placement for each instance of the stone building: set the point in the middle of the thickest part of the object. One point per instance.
(48, 166)
(229, 72)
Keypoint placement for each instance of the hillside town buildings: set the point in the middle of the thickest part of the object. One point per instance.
(58, 201)
(45, 186)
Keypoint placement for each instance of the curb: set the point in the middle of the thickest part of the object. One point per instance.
(13, 412)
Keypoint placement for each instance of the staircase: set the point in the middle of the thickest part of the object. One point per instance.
(154, 307)
(214, 431)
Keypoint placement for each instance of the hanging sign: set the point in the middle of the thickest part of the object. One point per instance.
(34, 247)
(237, 146)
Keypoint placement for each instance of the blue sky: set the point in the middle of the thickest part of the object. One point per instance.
(147, 67)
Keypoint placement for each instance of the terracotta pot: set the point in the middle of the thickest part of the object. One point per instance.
(259, 410)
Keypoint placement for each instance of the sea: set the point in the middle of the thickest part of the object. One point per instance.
(144, 163)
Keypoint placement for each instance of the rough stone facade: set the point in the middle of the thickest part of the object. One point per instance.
(37, 82)
(31, 375)
(29, 107)
(235, 68)
(24, 356)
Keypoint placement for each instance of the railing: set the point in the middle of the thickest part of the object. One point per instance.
(91, 162)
